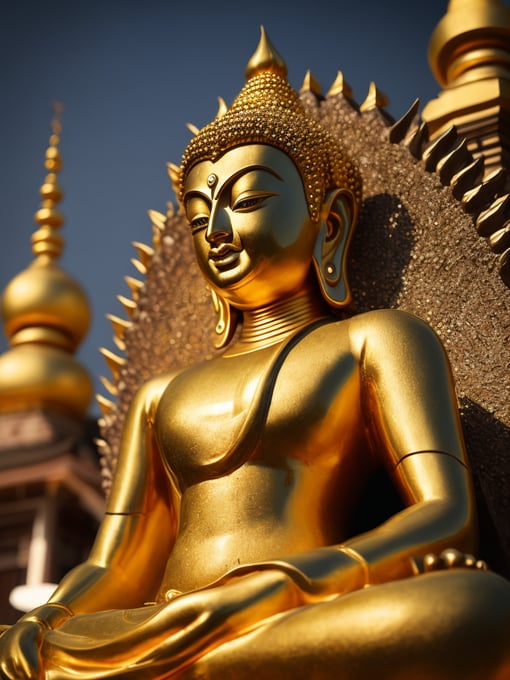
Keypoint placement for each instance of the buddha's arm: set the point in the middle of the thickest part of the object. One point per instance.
(415, 426)
(127, 560)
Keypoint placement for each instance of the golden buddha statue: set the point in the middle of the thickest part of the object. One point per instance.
(226, 549)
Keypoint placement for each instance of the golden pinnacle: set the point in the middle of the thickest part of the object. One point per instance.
(265, 58)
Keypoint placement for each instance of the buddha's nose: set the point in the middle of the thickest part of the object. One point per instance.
(219, 227)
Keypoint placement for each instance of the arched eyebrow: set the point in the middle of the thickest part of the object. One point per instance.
(229, 180)
(195, 193)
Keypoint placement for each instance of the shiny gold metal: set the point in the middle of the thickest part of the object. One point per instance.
(228, 549)
(311, 84)
(340, 86)
(375, 99)
(46, 314)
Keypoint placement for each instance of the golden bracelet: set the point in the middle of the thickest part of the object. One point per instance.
(49, 615)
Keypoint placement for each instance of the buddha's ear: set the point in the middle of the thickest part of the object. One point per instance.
(338, 217)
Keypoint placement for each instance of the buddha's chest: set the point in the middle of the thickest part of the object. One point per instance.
(226, 412)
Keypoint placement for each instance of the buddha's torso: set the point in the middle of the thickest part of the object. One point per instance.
(284, 486)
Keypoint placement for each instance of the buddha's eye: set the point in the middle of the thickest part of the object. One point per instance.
(199, 222)
(249, 202)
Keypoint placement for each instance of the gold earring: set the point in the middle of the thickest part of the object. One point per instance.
(226, 320)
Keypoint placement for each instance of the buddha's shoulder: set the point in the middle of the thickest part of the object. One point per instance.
(149, 393)
(388, 319)
(388, 327)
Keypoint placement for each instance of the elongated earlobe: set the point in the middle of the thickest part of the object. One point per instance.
(226, 320)
(330, 253)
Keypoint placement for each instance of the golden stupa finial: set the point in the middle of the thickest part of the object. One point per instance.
(265, 58)
(46, 313)
(469, 55)
(46, 241)
(473, 34)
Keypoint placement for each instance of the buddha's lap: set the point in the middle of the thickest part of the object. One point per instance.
(451, 624)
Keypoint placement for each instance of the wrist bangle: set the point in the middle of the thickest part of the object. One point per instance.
(49, 615)
(355, 555)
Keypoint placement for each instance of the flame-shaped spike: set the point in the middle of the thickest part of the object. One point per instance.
(101, 444)
(110, 387)
(340, 86)
(466, 178)
(107, 407)
(174, 172)
(120, 326)
(144, 252)
(500, 240)
(376, 99)
(222, 107)
(157, 218)
(311, 84)
(106, 474)
(478, 198)
(400, 129)
(494, 216)
(120, 344)
(139, 266)
(170, 209)
(114, 362)
(129, 305)
(504, 267)
(135, 285)
(439, 147)
(417, 140)
(192, 128)
(453, 162)
(156, 236)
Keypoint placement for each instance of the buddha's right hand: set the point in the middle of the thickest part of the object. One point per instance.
(451, 559)
(20, 651)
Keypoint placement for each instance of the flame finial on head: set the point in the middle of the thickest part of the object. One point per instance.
(265, 58)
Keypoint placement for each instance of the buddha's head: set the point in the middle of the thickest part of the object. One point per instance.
(268, 191)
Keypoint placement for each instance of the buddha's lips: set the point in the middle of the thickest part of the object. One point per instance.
(223, 251)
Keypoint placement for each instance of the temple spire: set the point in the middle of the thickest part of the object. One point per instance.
(46, 314)
(469, 54)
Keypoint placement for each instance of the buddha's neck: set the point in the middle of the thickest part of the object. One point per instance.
(269, 325)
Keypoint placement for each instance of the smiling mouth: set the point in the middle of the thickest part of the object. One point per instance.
(225, 255)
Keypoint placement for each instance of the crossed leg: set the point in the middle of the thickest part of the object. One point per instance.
(451, 625)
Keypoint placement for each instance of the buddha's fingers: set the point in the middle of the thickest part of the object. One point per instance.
(452, 559)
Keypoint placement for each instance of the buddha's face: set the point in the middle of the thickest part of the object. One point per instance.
(251, 227)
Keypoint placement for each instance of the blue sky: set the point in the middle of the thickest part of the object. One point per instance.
(131, 74)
